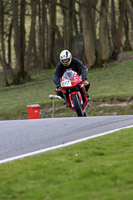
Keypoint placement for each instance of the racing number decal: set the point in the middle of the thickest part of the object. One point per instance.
(66, 83)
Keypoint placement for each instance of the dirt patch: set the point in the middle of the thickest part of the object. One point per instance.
(122, 57)
(116, 104)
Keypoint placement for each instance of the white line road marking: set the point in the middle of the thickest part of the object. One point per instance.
(61, 145)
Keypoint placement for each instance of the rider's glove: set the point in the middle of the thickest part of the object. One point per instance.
(58, 88)
(84, 78)
(86, 83)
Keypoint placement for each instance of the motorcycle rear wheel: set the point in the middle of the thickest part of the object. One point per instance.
(77, 105)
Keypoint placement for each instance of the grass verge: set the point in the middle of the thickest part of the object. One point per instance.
(99, 168)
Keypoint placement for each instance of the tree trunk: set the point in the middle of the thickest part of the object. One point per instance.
(130, 13)
(131, 1)
(10, 46)
(75, 21)
(42, 17)
(88, 32)
(52, 30)
(68, 20)
(113, 24)
(16, 35)
(31, 40)
(122, 5)
(103, 32)
(19, 42)
(4, 64)
(2, 46)
(93, 10)
(70, 25)
(64, 12)
(80, 21)
(127, 45)
(22, 37)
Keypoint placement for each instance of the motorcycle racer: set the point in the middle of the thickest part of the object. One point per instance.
(68, 62)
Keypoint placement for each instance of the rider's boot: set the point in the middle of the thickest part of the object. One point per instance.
(88, 97)
(65, 103)
(59, 93)
(64, 95)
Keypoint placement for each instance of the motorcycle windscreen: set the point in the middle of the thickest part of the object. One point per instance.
(69, 74)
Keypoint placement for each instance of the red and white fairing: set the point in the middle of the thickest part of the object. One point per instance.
(71, 81)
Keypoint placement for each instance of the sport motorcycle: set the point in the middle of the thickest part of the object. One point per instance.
(74, 92)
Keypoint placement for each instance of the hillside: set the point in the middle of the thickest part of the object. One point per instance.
(111, 93)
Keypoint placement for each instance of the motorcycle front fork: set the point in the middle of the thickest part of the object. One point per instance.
(71, 101)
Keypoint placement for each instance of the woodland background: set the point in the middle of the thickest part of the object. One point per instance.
(34, 32)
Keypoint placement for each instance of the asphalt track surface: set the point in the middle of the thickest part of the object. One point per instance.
(20, 137)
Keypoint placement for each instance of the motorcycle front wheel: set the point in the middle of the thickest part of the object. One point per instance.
(77, 105)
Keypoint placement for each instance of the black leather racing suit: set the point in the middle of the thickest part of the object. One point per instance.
(76, 65)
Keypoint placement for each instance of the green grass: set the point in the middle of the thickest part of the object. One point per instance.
(116, 81)
(99, 168)
(111, 85)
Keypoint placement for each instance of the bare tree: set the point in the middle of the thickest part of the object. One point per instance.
(127, 45)
(19, 42)
(22, 37)
(68, 12)
(63, 4)
(9, 45)
(42, 43)
(113, 25)
(119, 33)
(16, 34)
(104, 32)
(2, 44)
(88, 32)
(130, 15)
(70, 24)
(31, 40)
(52, 30)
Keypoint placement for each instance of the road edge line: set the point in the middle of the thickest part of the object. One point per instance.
(61, 145)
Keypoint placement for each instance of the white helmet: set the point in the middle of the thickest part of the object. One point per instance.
(65, 57)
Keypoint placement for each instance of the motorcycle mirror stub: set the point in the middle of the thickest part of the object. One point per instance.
(54, 96)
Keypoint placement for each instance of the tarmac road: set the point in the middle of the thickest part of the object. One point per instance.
(19, 137)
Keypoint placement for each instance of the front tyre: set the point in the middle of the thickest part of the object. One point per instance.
(77, 105)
